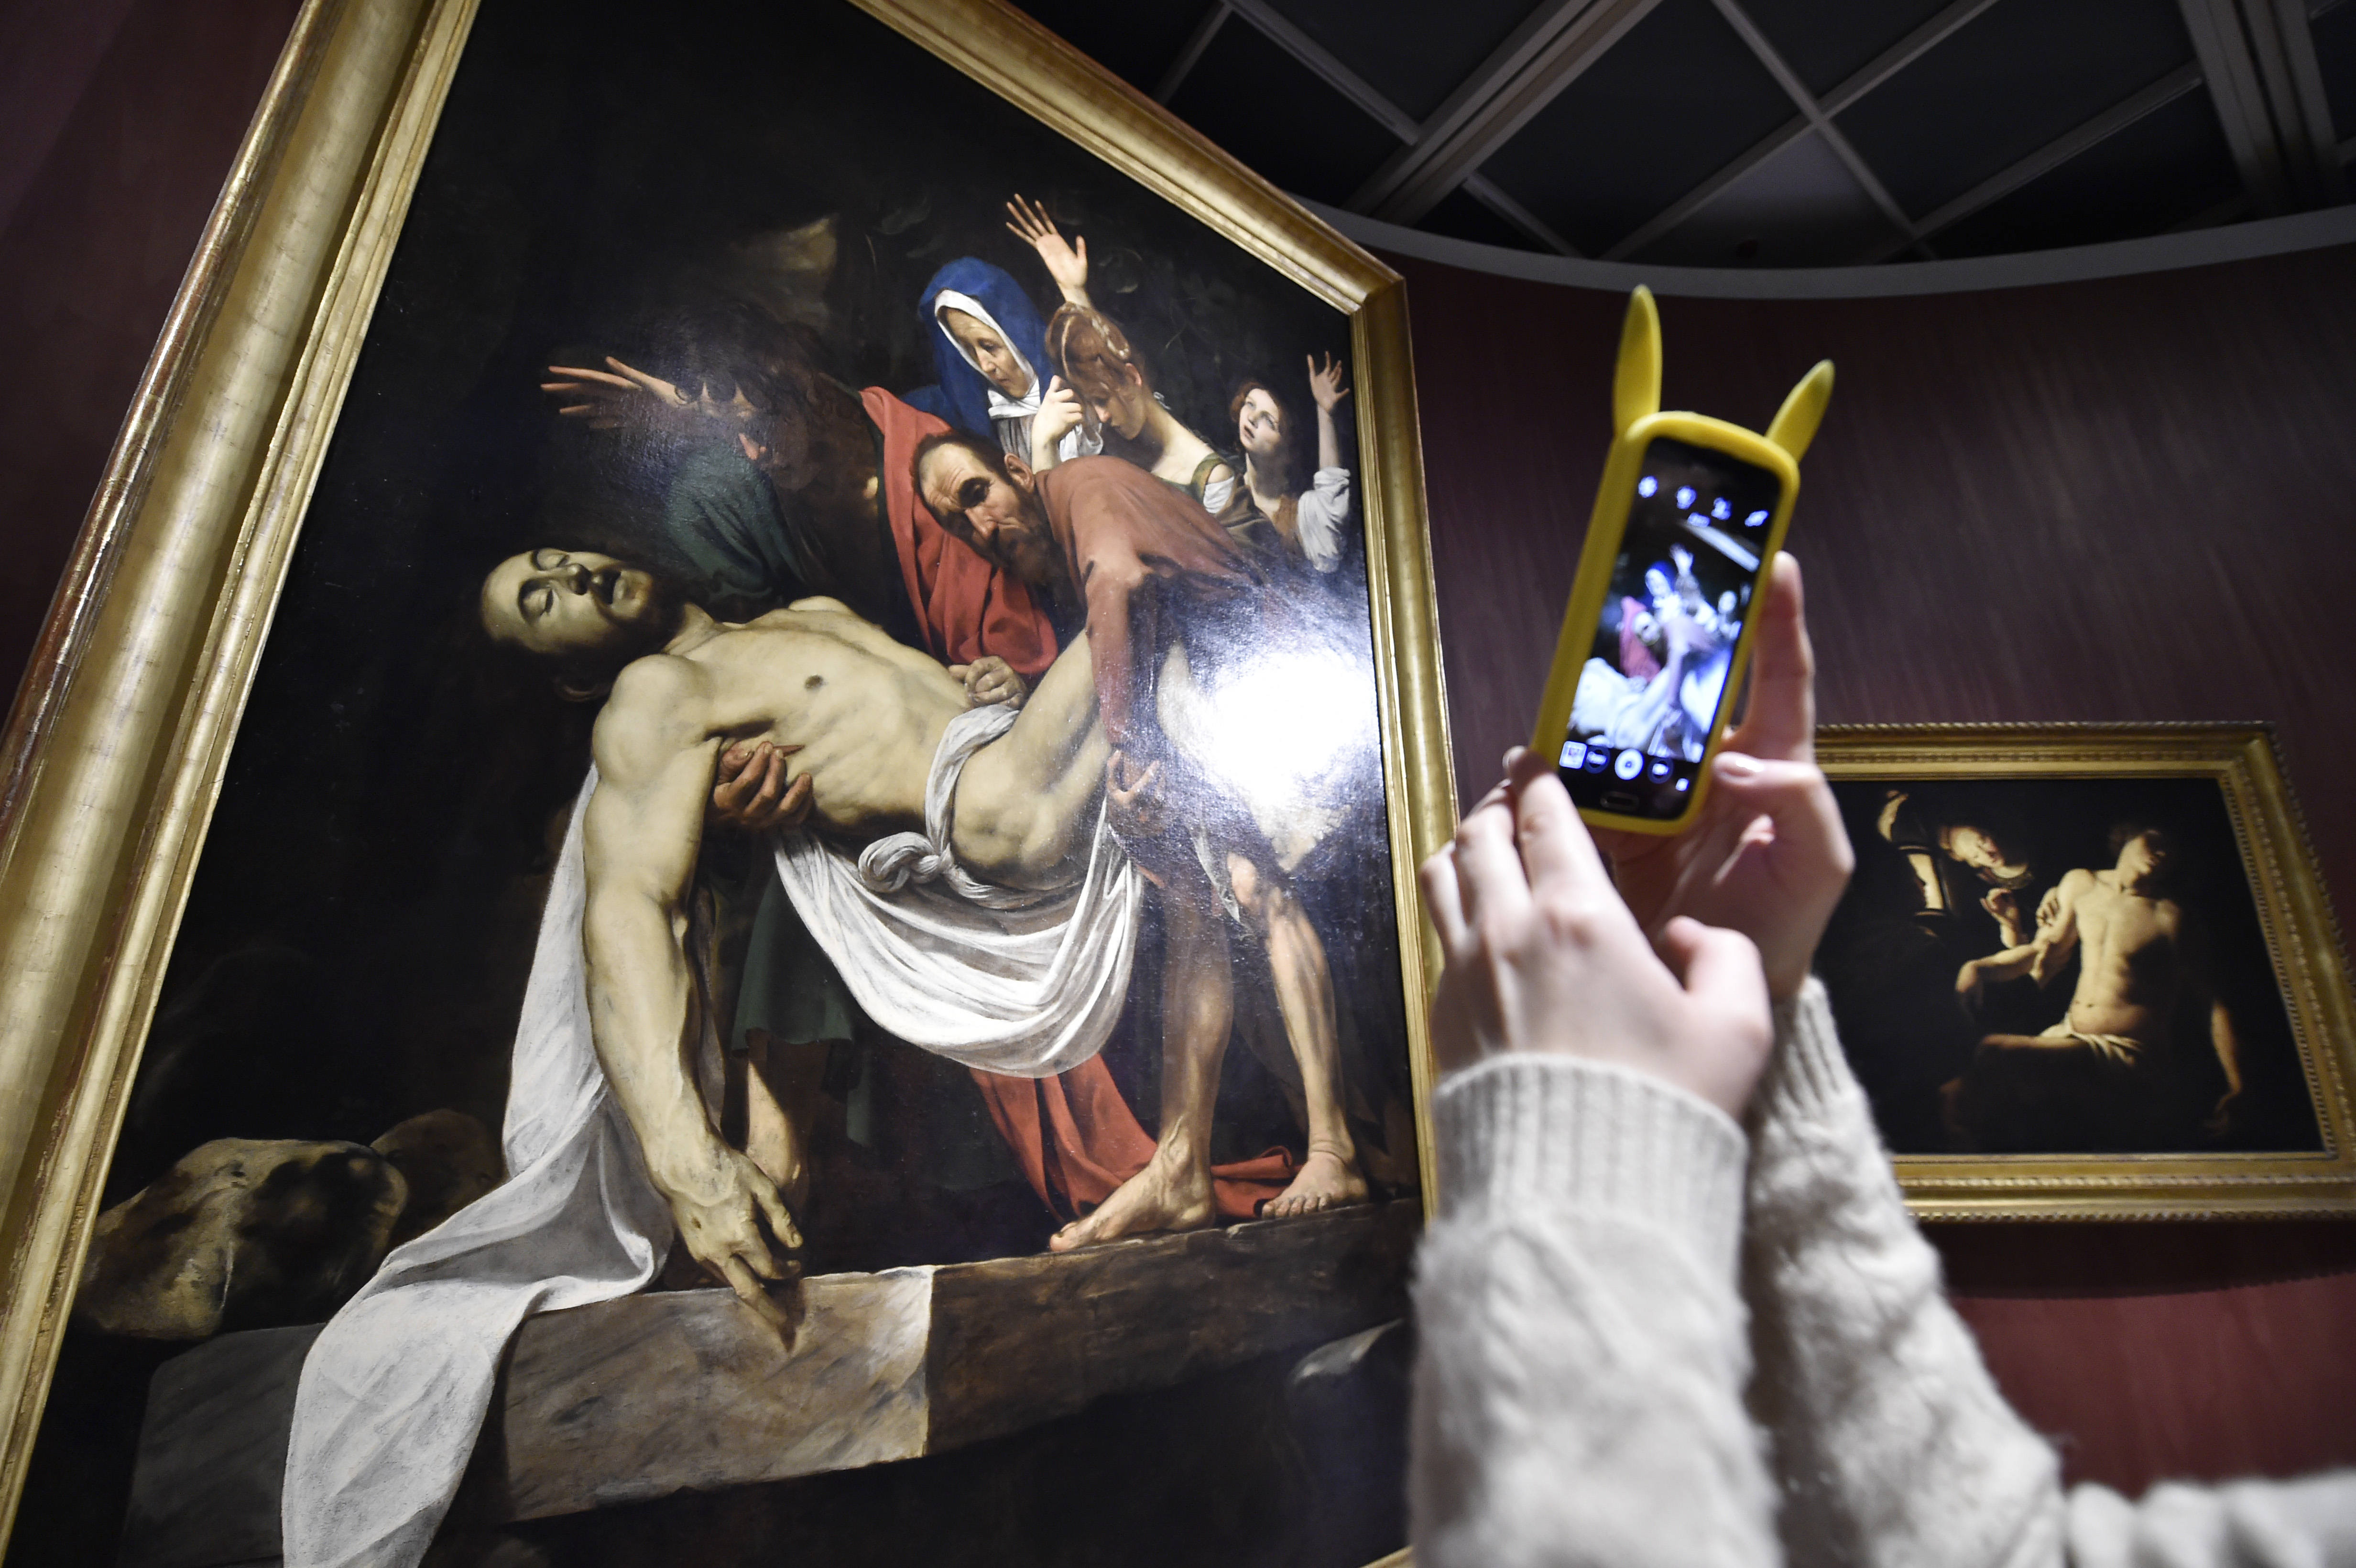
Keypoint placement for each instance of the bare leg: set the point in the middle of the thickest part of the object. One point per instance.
(1305, 995)
(1198, 1005)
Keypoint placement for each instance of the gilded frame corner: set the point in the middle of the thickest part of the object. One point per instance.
(2302, 938)
(117, 743)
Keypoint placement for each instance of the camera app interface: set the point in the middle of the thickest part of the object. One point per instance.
(1656, 673)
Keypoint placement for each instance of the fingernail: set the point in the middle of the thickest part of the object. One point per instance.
(1734, 765)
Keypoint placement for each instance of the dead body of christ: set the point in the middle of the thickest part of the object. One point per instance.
(2118, 1069)
(863, 716)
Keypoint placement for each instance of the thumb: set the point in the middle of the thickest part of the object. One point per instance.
(1795, 797)
(1718, 967)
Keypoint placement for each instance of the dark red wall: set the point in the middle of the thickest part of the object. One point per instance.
(118, 123)
(2129, 499)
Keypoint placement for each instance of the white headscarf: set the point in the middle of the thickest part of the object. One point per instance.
(1002, 407)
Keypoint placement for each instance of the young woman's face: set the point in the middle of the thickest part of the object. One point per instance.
(1260, 424)
(1117, 400)
(989, 352)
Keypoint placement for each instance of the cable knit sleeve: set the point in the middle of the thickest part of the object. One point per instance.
(1579, 1384)
(1891, 1441)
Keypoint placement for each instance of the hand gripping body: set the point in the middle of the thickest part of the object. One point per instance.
(1657, 633)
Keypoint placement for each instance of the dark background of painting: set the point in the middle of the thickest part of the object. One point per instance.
(1985, 537)
(1893, 991)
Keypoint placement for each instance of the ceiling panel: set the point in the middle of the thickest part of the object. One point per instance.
(1412, 52)
(1675, 100)
(2335, 53)
(1800, 208)
(2010, 81)
(1462, 216)
(1827, 41)
(2166, 166)
(1135, 40)
(1279, 117)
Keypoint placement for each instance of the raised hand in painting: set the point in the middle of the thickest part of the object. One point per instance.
(1066, 261)
(626, 398)
(1543, 957)
(1767, 855)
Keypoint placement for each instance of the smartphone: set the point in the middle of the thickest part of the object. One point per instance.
(1658, 632)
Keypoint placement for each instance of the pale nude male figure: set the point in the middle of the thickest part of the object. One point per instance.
(861, 717)
(2139, 964)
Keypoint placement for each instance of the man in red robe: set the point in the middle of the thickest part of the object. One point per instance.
(1166, 588)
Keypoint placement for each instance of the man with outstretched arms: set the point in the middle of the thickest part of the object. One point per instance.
(861, 718)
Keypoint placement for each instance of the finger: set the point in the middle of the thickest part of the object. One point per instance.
(796, 807)
(1795, 797)
(781, 1225)
(1443, 899)
(1489, 872)
(1782, 721)
(582, 373)
(1557, 852)
(1080, 247)
(749, 1291)
(780, 1218)
(1717, 967)
(771, 774)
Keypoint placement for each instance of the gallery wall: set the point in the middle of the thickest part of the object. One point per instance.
(2130, 498)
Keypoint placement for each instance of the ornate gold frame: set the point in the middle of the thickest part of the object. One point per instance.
(115, 747)
(2301, 934)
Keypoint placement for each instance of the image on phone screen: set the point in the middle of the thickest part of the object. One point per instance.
(1657, 669)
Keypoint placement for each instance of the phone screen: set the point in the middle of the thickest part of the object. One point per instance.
(1657, 670)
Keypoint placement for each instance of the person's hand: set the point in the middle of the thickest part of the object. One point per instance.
(2048, 908)
(991, 680)
(750, 790)
(625, 398)
(1766, 855)
(1133, 807)
(1970, 984)
(1543, 957)
(1325, 385)
(2003, 903)
(1066, 263)
(2226, 1118)
(1059, 414)
(734, 1221)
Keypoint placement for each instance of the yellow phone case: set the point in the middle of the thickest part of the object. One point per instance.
(1636, 411)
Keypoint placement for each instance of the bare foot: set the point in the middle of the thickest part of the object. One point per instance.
(1164, 1196)
(1326, 1181)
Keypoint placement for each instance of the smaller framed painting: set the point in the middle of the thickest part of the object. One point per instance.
(2090, 972)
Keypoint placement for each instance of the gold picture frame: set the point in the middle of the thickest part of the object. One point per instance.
(120, 737)
(1914, 795)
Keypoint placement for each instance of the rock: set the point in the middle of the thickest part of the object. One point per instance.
(448, 1159)
(241, 1233)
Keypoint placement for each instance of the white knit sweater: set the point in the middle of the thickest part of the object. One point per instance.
(1619, 1365)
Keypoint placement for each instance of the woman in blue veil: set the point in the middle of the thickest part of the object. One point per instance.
(989, 347)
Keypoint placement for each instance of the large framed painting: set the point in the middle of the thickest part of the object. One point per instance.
(713, 852)
(2089, 971)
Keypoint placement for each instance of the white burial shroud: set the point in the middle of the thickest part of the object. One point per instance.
(395, 1387)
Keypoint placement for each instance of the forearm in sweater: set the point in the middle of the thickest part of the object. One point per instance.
(1893, 1444)
(1583, 1348)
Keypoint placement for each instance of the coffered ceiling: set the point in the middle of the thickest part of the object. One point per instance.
(1761, 133)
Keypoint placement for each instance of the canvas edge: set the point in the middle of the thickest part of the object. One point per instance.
(121, 731)
(120, 735)
(2303, 939)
